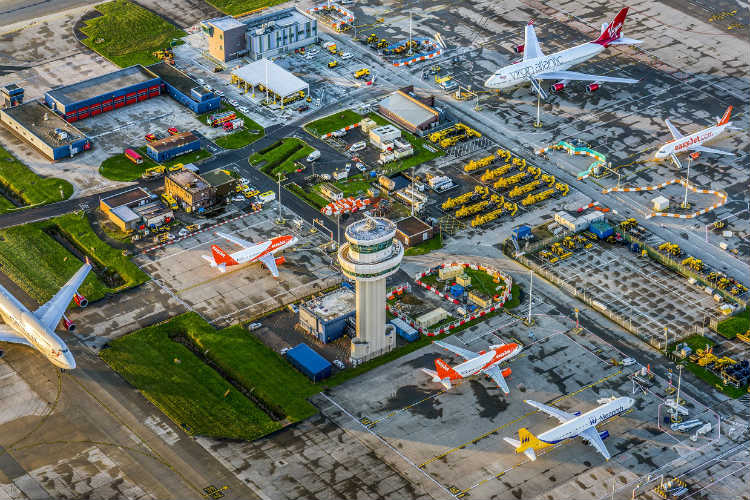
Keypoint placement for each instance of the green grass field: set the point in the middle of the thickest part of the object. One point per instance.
(696, 342)
(119, 168)
(312, 197)
(279, 158)
(332, 122)
(181, 385)
(483, 282)
(239, 138)
(18, 179)
(128, 34)
(237, 7)
(421, 154)
(739, 323)
(40, 265)
(425, 247)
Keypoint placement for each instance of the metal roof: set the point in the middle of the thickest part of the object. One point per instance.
(370, 228)
(217, 177)
(173, 141)
(224, 23)
(41, 121)
(408, 108)
(276, 78)
(129, 197)
(125, 214)
(101, 85)
(412, 226)
(338, 303)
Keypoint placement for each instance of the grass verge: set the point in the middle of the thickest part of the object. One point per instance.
(237, 7)
(40, 264)
(434, 243)
(739, 323)
(25, 186)
(696, 342)
(332, 122)
(311, 197)
(128, 34)
(119, 168)
(181, 385)
(279, 158)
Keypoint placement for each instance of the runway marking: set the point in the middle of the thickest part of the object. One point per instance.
(518, 419)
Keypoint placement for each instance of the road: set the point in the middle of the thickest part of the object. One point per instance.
(14, 11)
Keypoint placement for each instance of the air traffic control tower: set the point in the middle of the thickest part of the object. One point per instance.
(370, 255)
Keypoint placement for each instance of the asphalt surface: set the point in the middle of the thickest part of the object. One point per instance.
(14, 11)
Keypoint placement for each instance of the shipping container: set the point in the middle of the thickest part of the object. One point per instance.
(602, 230)
(309, 362)
(133, 156)
(405, 330)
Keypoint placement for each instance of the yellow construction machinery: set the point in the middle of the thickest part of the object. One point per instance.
(176, 167)
(535, 171)
(442, 79)
(693, 263)
(523, 189)
(519, 162)
(490, 175)
(549, 179)
(470, 132)
(169, 201)
(468, 210)
(441, 134)
(477, 164)
(504, 154)
(383, 43)
(506, 182)
(452, 140)
(511, 207)
(535, 198)
(362, 73)
(670, 249)
(479, 192)
(333, 63)
(562, 188)
(152, 172)
(628, 224)
(372, 38)
(480, 220)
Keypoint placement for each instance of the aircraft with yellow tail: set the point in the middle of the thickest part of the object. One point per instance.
(572, 425)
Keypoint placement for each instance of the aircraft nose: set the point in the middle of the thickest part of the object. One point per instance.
(68, 362)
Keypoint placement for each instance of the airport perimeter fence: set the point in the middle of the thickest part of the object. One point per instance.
(644, 333)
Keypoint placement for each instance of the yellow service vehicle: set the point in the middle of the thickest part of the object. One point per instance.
(333, 63)
(362, 73)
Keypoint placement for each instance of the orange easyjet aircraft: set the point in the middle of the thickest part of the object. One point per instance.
(251, 252)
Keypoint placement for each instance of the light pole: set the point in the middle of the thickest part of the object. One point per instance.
(538, 123)
(531, 287)
(687, 181)
(279, 219)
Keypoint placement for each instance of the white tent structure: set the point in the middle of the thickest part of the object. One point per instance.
(271, 77)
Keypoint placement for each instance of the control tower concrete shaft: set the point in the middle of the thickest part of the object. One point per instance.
(369, 256)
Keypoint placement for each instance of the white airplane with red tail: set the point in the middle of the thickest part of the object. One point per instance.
(694, 142)
(536, 66)
(263, 252)
(484, 362)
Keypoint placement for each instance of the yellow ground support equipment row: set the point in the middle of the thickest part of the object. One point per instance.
(628, 224)
(525, 188)
(362, 73)
(563, 188)
(519, 162)
(504, 154)
(693, 263)
(535, 198)
(480, 220)
(671, 249)
(535, 171)
(477, 164)
(506, 182)
(468, 210)
(549, 179)
(479, 191)
(490, 175)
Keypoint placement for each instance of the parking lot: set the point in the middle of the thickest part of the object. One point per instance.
(247, 290)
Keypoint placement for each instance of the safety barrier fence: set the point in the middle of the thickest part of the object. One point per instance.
(719, 194)
(578, 150)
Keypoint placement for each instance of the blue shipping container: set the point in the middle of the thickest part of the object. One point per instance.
(457, 290)
(309, 362)
(405, 330)
(522, 232)
(601, 229)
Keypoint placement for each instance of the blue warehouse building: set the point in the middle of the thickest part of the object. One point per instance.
(326, 317)
(172, 146)
(47, 126)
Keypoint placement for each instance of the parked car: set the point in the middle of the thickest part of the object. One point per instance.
(339, 364)
(628, 362)
(293, 308)
(201, 81)
(253, 326)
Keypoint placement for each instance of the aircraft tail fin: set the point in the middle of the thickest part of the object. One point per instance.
(529, 443)
(727, 115)
(612, 31)
(445, 371)
(222, 257)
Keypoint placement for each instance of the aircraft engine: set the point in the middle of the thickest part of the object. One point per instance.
(80, 300)
(519, 48)
(68, 324)
(593, 87)
(280, 260)
(557, 87)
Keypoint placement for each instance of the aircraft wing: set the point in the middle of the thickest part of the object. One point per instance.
(591, 435)
(562, 416)
(495, 374)
(673, 130)
(50, 313)
(704, 149)
(7, 334)
(270, 262)
(235, 240)
(464, 353)
(574, 75)
(531, 48)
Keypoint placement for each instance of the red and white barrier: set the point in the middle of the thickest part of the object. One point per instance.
(719, 194)
(499, 302)
(345, 129)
